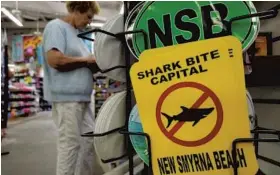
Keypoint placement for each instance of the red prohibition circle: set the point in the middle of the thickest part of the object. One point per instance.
(206, 93)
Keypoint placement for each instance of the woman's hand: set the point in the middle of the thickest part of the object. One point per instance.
(93, 67)
(90, 59)
(91, 64)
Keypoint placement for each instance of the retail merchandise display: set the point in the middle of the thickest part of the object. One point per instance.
(26, 59)
(27, 49)
(23, 96)
(22, 75)
(104, 87)
(4, 82)
(107, 47)
(149, 19)
(3, 97)
(43, 104)
(158, 25)
(129, 24)
(139, 142)
(175, 92)
(22, 101)
(208, 113)
(110, 116)
(101, 93)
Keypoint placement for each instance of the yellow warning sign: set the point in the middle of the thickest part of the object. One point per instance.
(192, 102)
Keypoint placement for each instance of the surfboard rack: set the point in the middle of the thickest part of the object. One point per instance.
(150, 170)
(262, 16)
(120, 36)
(261, 130)
(124, 130)
(91, 134)
(254, 140)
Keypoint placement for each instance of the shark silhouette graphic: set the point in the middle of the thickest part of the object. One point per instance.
(189, 115)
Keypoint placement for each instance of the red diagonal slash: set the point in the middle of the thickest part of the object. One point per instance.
(198, 103)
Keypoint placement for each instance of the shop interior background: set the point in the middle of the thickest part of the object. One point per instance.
(35, 16)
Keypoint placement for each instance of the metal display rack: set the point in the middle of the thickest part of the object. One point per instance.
(4, 88)
(124, 130)
(44, 105)
(4, 91)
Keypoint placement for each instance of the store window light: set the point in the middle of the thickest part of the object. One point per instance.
(94, 24)
(122, 10)
(11, 67)
(11, 16)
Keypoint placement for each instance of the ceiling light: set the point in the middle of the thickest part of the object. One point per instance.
(38, 33)
(11, 16)
(93, 24)
(11, 65)
(122, 9)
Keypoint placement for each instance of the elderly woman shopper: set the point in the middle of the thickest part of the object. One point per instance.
(68, 84)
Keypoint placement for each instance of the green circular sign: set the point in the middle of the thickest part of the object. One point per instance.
(171, 23)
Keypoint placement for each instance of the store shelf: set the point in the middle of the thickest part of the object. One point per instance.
(100, 98)
(24, 114)
(21, 92)
(21, 75)
(43, 104)
(46, 106)
(22, 99)
(20, 107)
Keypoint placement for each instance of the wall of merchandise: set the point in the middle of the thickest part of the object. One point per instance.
(4, 81)
(25, 86)
(104, 87)
(26, 93)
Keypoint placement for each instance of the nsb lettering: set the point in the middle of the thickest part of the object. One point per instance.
(166, 35)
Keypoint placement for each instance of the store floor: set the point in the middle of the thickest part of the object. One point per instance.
(31, 143)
